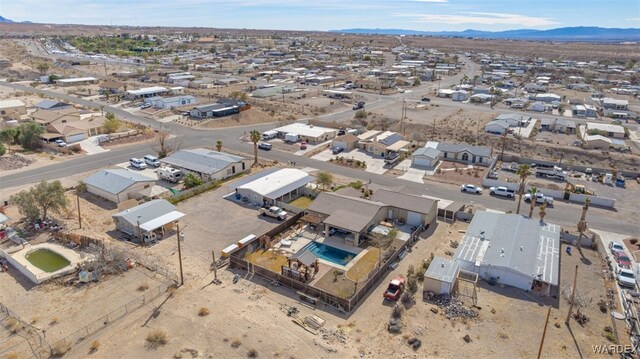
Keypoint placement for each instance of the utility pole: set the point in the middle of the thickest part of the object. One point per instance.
(78, 204)
(214, 266)
(180, 255)
(544, 332)
(573, 296)
(504, 140)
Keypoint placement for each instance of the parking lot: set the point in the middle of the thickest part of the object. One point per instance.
(374, 165)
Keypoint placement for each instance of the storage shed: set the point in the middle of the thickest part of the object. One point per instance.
(440, 276)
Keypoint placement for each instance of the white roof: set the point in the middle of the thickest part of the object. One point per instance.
(273, 184)
(367, 135)
(305, 130)
(161, 221)
(147, 90)
(605, 127)
(78, 79)
(614, 101)
(11, 103)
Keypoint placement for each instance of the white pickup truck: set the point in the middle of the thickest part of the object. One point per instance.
(540, 198)
(502, 191)
(275, 212)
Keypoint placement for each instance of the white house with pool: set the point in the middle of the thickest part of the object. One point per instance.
(41, 262)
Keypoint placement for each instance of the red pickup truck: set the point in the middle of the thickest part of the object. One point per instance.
(396, 286)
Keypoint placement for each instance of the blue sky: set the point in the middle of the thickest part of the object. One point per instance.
(429, 15)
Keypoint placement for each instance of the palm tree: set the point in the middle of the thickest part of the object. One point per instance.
(543, 212)
(324, 179)
(582, 225)
(533, 192)
(255, 137)
(523, 171)
(219, 145)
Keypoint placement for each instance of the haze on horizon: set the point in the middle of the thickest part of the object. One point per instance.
(425, 15)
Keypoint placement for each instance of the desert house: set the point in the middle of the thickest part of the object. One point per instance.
(207, 164)
(12, 109)
(118, 185)
(272, 185)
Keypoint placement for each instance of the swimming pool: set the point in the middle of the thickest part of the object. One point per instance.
(47, 260)
(329, 253)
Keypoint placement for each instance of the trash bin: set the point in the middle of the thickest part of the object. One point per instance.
(238, 196)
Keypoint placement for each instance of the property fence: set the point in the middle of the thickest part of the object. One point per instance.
(32, 344)
(115, 315)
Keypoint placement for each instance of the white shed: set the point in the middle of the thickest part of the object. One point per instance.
(440, 276)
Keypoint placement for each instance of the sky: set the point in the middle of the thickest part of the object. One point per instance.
(426, 15)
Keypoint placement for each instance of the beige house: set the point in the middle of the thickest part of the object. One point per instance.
(12, 109)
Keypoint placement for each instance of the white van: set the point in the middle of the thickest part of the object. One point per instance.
(137, 163)
(151, 161)
(267, 135)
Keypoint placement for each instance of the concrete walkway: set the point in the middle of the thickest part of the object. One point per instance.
(91, 145)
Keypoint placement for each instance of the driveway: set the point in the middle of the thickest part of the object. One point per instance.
(413, 173)
(374, 165)
(90, 145)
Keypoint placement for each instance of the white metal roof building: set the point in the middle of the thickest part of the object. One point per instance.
(308, 133)
(513, 249)
(148, 217)
(209, 165)
(146, 92)
(76, 81)
(441, 275)
(272, 185)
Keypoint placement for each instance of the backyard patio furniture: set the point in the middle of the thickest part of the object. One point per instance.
(285, 242)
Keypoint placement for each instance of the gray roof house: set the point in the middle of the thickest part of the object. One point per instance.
(52, 105)
(149, 220)
(435, 151)
(425, 156)
(117, 185)
(512, 249)
(208, 164)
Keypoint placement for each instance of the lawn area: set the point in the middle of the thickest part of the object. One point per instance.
(301, 202)
(364, 265)
(268, 259)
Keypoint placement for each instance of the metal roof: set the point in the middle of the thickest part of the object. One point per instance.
(401, 200)
(429, 152)
(306, 257)
(346, 212)
(11, 103)
(273, 184)
(116, 180)
(305, 130)
(457, 148)
(442, 269)
(150, 214)
(201, 160)
(512, 242)
(147, 91)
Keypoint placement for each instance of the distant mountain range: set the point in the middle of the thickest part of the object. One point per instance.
(582, 33)
(9, 21)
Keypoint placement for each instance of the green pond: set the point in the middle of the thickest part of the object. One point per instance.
(47, 260)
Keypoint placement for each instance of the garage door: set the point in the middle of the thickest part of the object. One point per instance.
(426, 162)
(414, 219)
(340, 144)
(76, 138)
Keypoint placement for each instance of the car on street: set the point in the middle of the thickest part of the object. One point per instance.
(622, 260)
(471, 188)
(137, 163)
(502, 191)
(395, 288)
(540, 198)
(616, 247)
(425, 99)
(274, 212)
(265, 146)
(337, 150)
(358, 105)
(626, 278)
(61, 143)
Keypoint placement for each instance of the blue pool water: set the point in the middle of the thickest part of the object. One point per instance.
(328, 253)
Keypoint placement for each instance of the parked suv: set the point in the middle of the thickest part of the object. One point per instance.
(152, 161)
(264, 146)
(274, 212)
(137, 163)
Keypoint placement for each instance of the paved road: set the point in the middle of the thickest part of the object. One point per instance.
(564, 213)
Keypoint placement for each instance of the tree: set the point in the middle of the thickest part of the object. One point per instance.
(523, 171)
(543, 212)
(255, 137)
(111, 124)
(8, 136)
(43, 67)
(41, 199)
(162, 146)
(533, 192)
(582, 224)
(191, 181)
(324, 179)
(219, 145)
(3, 149)
(30, 135)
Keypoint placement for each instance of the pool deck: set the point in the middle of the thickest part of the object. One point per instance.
(36, 274)
(302, 238)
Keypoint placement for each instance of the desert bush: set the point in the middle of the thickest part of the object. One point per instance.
(411, 270)
(412, 285)
(203, 312)
(252, 353)
(634, 241)
(236, 343)
(407, 299)
(396, 313)
(156, 338)
(13, 325)
(95, 345)
(60, 348)
(142, 287)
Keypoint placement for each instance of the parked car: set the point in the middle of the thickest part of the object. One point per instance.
(502, 191)
(151, 160)
(274, 212)
(137, 163)
(425, 99)
(622, 260)
(61, 143)
(616, 247)
(337, 150)
(358, 105)
(333, 231)
(145, 105)
(395, 288)
(303, 145)
(265, 146)
(626, 278)
(540, 198)
(471, 188)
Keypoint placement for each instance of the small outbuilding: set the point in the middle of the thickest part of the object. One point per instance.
(441, 275)
(151, 220)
